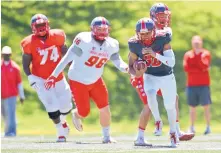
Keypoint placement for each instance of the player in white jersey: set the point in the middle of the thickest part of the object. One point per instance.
(89, 53)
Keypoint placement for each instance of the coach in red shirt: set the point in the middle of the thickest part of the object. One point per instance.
(11, 86)
(196, 64)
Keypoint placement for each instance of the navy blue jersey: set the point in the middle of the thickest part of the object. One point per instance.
(155, 67)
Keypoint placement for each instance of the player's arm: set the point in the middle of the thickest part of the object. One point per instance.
(64, 49)
(132, 57)
(168, 57)
(26, 61)
(119, 63)
(72, 54)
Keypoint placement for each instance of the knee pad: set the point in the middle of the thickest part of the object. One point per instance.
(54, 115)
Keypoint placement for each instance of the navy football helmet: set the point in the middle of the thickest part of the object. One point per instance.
(145, 29)
(161, 15)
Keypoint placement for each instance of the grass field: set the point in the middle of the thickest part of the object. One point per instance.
(92, 144)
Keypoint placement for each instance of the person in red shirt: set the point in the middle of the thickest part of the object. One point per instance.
(196, 64)
(11, 86)
(43, 50)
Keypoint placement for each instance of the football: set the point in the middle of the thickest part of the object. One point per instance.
(140, 64)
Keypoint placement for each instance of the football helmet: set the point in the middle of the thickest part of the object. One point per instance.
(145, 29)
(100, 28)
(40, 25)
(161, 15)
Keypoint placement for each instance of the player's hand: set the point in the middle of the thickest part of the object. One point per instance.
(50, 82)
(22, 100)
(33, 82)
(148, 51)
(141, 70)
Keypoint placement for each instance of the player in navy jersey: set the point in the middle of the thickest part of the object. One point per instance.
(154, 48)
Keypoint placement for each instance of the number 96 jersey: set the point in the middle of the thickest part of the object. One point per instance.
(88, 67)
(45, 54)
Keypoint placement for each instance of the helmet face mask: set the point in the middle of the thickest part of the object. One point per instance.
(40, 25)
(100, 28)
(145, 35)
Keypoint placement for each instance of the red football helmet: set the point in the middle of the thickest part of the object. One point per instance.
(40, 25)
(100, 28)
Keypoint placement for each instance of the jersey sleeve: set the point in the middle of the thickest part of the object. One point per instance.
(132, 46)
(168, 38)
(60, 37)
(116, 46)
(25, 46)
(78, 41)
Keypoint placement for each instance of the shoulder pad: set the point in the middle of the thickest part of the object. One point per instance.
(113, 42)
(133, 40)
(82, 37)
(26, 41)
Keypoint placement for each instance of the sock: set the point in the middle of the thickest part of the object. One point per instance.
(106, 131)
(63, 118)
(177, 127)
(140, 133)
(172, 119)
(59, 129)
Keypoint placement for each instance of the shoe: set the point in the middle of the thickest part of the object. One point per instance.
(108, 139)
(185, 136)
(61, 139)
(173, 140)
(207, 131)
(158, 129)
(141, 142)
(76, 121)
(192, 130)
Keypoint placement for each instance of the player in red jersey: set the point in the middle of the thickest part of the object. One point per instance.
(42, 51)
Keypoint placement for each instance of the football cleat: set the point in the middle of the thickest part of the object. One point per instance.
(158, 128)
(173, 140)
(76, 121)
(108, 139)
(141, 142)
(61, 139)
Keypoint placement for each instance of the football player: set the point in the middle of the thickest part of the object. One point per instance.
(161, 15)
(155, 49)
(42, 51)
(89, 53)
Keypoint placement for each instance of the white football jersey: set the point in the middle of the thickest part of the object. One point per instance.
(88, 68)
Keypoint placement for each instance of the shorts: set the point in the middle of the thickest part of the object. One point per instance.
(198, 95)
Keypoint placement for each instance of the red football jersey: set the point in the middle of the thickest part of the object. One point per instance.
(45, 54)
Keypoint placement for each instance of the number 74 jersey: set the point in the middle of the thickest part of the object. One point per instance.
(88, 67)
(45, 54)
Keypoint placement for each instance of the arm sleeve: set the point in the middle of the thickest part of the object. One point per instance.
(72, 53)
(119, 63)
(168, 58)
(21, 91)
